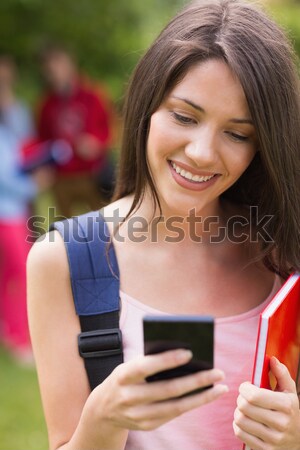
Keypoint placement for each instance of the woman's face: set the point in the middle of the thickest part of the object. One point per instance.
(201, 140)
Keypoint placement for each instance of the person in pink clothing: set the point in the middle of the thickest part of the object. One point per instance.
(207, 213)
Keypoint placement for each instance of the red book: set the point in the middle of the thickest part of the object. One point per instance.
(279, 335)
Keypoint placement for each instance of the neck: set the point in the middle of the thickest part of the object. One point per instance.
(206, 226)
(66, 88)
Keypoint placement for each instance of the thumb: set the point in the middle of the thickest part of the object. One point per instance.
(285, 382)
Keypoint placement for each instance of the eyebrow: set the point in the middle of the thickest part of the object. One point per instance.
(199, 108)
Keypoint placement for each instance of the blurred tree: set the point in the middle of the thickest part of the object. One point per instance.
(106, 36)
(287, 13)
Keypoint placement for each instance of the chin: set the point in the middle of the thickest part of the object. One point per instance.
(176, 207)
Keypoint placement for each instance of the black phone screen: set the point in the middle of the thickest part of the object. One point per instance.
(195, 333)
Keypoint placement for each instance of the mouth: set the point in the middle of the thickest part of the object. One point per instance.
(189, 176)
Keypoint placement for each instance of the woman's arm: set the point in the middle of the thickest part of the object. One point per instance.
(54, 327)
(77, 419)
(269, 420)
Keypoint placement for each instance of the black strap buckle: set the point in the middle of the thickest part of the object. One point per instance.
(100, 343)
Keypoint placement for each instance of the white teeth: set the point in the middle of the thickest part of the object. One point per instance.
(189, 176)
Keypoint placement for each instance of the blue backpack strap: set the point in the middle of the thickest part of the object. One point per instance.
(95, 284)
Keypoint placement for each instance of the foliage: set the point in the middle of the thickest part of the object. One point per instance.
(287, 14)
(106, 36)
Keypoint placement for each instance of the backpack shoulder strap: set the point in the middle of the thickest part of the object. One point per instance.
(95, 284)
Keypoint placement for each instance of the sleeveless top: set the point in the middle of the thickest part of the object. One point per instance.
(210, 426)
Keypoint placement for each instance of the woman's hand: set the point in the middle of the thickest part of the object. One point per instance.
(125, 401)
(269, 420)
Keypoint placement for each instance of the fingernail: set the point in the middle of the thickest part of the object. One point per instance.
(277, 362)
(184, 355)
(218, 375)
(221, 388)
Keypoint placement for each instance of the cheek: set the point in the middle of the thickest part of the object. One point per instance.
(157, 132)
(242, 162)
(163, 138)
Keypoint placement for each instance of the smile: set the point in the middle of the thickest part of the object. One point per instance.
(189, 176)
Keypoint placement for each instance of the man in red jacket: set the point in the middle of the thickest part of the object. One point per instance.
(74, 115)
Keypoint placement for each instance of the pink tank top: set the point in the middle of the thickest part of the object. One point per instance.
(210, 426)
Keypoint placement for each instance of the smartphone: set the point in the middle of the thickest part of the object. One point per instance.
(195, 333)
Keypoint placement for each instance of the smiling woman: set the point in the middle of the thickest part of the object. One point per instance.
(211, 143)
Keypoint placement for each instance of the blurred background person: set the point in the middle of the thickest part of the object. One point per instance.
(74, 113)
(14, 114)
(16, 191)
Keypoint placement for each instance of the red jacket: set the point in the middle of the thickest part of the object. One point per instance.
(70, 116)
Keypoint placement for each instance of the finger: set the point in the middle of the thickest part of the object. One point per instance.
(285, 382)
(251, 441)
(256, 429)
(168, 389)
(167, 410)
(136, 370)
(272, 419)
(265, 398)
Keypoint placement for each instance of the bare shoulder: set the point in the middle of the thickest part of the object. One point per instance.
(118, 209)
(48, 251)
(48, 277)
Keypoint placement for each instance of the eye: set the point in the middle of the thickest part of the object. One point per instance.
(237, 137)
(183, 120)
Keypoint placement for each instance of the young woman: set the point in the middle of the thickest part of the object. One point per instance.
(211, 144)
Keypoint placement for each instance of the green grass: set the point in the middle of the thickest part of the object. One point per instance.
(22, 424)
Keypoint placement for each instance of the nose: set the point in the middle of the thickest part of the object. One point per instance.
(202, 148)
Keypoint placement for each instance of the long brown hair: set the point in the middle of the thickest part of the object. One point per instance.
(262, 58)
